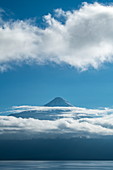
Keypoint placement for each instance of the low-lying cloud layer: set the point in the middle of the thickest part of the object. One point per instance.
(76, 122)
(83, 39)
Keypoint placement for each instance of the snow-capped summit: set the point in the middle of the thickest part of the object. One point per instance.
(58, 101)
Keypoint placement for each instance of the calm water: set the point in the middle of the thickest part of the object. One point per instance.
(53, 165)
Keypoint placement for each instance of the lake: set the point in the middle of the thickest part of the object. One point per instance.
(50, 165)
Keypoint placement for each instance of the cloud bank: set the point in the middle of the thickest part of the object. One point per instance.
(80, 38)
(70, 123)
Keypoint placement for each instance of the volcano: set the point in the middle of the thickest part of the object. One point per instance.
(58, 102)
(50, 111)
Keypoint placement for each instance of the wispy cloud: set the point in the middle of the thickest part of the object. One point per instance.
(67, 110)
(83, 39)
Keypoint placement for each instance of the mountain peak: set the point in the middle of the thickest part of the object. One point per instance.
(58, 101)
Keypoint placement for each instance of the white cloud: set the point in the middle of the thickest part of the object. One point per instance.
(84, 39)
(66, 127)
(74, 122)
(62, 111)
(70, 110)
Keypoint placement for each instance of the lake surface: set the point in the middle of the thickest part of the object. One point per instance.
(54, 165)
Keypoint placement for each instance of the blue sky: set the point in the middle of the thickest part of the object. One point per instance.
(37, 84)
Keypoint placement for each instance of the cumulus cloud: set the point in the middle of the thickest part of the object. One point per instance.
(67, 123)
(80, 38)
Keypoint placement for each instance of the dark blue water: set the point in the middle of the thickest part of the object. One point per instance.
(54, 165)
